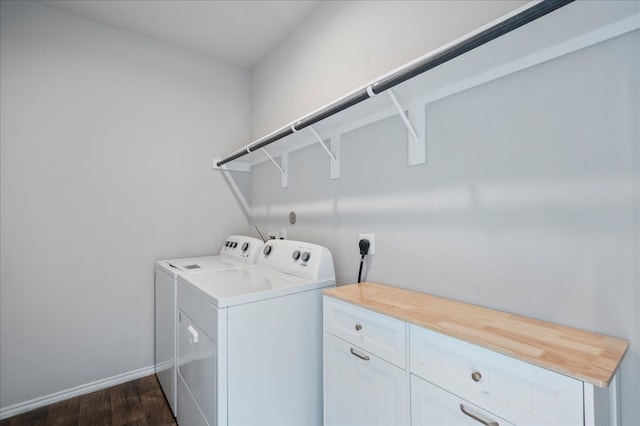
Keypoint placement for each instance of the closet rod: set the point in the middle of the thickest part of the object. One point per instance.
(406, 73)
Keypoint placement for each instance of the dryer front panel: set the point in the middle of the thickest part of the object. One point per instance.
(197, 359)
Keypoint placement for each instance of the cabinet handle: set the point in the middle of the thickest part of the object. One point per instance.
(364, 357)
(478, 419)
(476, 376)
(358, 327)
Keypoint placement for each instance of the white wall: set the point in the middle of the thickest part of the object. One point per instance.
(343, 45)
(107, 141)
(529, 201)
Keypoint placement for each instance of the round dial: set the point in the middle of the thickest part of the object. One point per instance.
(305, 256)
(245, 246)
(266, 250)
(296, 255)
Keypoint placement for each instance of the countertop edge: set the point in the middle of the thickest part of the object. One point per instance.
(370, 302)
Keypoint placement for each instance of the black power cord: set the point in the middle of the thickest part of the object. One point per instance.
(364, 249)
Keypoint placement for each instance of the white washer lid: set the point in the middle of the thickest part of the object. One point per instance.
(199, 264)
(244, 285)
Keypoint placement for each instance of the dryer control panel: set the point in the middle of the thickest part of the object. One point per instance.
(242, 247)
(298, 258)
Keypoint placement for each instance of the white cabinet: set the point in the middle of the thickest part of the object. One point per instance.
(384, 370)
(365, 381)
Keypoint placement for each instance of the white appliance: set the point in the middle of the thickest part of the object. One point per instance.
(237, 251)
(250, 339)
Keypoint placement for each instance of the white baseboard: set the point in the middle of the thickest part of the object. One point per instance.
(23, 407)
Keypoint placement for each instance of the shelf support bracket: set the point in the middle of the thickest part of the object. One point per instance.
(416, 140)
(322, 143)
(282, 167)
(284, 177)
(335, 160)
(333, 152)
(273, 161)
(417, 148)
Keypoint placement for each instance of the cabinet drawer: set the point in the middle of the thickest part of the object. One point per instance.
(433, 406)
(362, 389)
(517, 391)
(378, 334)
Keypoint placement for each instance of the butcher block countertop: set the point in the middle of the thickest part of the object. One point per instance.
(583, 355)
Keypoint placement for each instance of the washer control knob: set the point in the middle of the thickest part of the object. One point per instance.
(234, 244)
(305, 256)
(226, 243)
(267, 250)
(245, 246)
(296, 255)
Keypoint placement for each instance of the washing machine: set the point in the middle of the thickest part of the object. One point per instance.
(250, 339)
(237, 251)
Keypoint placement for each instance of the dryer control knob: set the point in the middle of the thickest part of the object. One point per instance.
(266, 250)
(296, 255)
(235, 244)
(226, 243)
(245, 246)
(305, 256)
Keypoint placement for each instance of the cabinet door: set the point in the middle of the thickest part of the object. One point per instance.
(433, 406)
(362, 389)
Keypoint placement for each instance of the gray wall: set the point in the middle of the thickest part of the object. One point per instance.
(529, 201)
(107, 141)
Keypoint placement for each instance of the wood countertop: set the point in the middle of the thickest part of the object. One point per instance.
(583, 355)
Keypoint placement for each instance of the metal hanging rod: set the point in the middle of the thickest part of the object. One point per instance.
(405, 73)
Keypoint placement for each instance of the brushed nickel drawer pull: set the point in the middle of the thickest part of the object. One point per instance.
(476, 376)
(364, 357)
(478, 419)
(358, 327)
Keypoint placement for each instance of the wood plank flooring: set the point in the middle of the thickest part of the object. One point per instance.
(140, 403)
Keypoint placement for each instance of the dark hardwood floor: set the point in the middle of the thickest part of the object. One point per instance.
(140, 402)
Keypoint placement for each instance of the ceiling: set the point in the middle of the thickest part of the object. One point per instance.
(239, 32)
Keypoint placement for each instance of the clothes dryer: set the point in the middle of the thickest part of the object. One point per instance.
(250, 339)
(237, 251)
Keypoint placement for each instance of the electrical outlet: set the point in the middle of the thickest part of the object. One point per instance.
(372, 242)
(283, 234)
